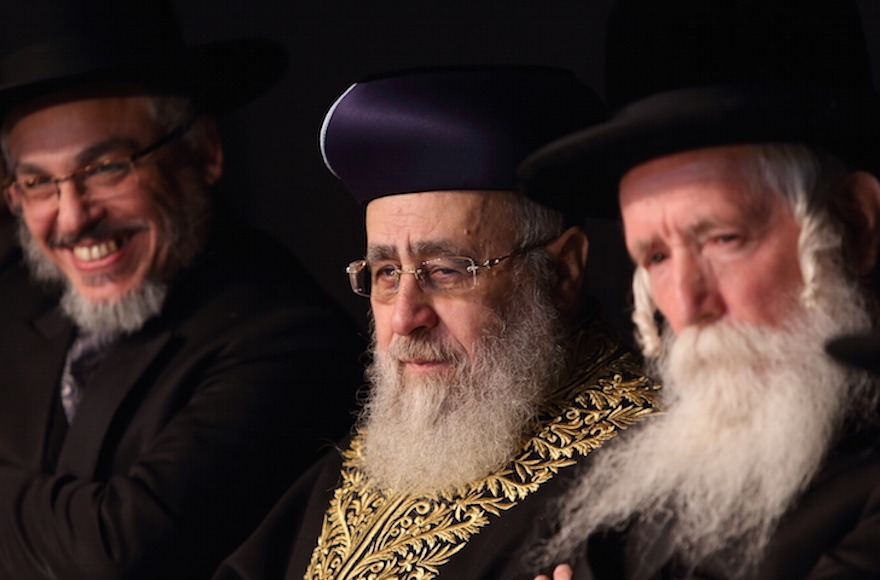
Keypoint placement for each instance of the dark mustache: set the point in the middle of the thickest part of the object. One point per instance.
(97, 232)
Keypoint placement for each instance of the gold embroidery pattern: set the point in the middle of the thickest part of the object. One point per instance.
(368, 534)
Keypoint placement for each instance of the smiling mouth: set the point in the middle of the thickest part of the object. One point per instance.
(97, 250)
(96, 243)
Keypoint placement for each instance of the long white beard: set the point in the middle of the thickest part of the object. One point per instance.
(750, 416)
(438, 432)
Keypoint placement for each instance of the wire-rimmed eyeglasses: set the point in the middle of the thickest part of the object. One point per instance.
(95, 180)
(441, 274)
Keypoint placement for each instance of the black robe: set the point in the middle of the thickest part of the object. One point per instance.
(481, 530)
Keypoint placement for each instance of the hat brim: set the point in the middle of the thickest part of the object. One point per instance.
(219, 76)
(858, 350)
(582, 170)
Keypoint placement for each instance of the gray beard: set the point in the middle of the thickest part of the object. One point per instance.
(750, 414)
(123, 316)
(439, 432)
(185, 209)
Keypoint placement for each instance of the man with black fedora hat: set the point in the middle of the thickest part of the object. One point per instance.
(490, 377)
(744, 149)
(167, 372)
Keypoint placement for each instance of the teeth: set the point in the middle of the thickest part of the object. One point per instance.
(96, 251)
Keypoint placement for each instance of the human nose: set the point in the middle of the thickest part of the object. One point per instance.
(73, 206)
(413, 307)
(695, 297)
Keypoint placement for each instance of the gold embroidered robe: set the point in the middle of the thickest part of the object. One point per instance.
(331, 525)
(374, 534)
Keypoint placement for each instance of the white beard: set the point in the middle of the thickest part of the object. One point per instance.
(438, 432)
(750, 416)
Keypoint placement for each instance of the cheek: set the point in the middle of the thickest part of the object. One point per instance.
(765, 293)
(658, 282)
(659, 293)
(471, 322)
(40, 229)
(781, 293)
(382, 332)
(669, 302)
(142, 208)
(157, 197)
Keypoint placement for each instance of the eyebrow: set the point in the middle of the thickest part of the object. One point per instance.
(703, 225)
(89, 154)
(645, 246)
(419, 249)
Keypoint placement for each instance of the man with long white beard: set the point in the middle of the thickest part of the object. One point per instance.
(752, 213)
(158, 358)
(489, 378)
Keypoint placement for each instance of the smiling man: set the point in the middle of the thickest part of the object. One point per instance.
(746, 160)
(490, 377)
(167, 372)
(112, 228)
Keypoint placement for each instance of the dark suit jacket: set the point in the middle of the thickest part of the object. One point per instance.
(833, 531)
(189, 429)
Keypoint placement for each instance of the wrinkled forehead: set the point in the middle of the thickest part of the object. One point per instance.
(452, 222)
(731, 172)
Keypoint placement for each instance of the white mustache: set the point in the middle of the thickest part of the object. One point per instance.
(422, 348)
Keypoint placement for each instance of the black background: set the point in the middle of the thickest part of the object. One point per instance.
(274, 174)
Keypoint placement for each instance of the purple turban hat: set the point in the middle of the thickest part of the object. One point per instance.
(452, 128)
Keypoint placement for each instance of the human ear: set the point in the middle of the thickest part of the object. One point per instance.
(210, 149)
(569, 254)
(10, 201)
(860, 214)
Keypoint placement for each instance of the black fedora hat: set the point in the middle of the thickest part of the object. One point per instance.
(860, 350)
(688, 74)
(52, 45)
(450, 128)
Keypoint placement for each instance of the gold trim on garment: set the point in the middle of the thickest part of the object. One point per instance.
(371, 534)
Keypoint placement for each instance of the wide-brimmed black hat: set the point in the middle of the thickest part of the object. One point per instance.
(450, 128)
(688, 74)
(53, 45)
(859, 350)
